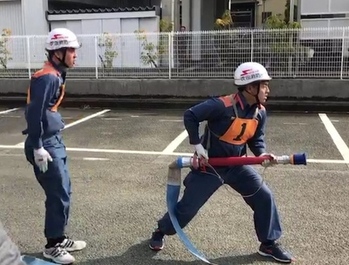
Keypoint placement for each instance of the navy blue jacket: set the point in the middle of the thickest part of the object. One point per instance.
(45, 94)
(219, 118)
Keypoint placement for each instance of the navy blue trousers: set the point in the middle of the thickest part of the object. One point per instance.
(56, 185)
(199, 187)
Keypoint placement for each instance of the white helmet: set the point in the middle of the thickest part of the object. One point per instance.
(61, 38)
(247, 73)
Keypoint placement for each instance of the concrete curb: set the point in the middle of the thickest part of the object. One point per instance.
(302, 94)
(292, 105)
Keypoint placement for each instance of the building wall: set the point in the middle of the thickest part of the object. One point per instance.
(324, 7)
(127, 47)
(11, 17)
(29, 31)
(104, 3)
(170, 11)
(273, 6)
(19, 16)
(324, 15)
(34, 19)
(336, 13)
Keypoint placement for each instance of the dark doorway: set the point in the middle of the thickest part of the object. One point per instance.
(243, 14)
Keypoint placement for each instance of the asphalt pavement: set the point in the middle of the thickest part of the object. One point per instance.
(119, 160)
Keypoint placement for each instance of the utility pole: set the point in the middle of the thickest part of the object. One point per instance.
(263, 13)
(291, 10)
(290, 59)
(173, 15)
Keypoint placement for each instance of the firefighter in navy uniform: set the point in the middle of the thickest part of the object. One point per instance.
(44, 147)
(233, 122)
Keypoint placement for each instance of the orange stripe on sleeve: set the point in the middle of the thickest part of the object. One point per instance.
(228, 101)
(59, 101)
(47, 69)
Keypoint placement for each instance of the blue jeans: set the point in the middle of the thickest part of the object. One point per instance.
(55, 183)
(200, 186)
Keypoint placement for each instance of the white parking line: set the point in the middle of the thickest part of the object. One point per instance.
(176, 142)
(95, 159)
(86, 118)
(337, 139)
(8, 111)
(171, 120)
(155, 153)
(21, 144)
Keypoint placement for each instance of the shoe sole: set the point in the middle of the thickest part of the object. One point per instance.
(156, 249)
(271, 256)
(50, 258)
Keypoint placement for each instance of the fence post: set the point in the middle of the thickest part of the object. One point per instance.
(96, 56)
(343, 47)
(28, 56)
(170, 54)
(252, 45)
(290, 58)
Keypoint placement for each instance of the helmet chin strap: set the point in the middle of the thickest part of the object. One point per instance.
(62, 61)
(256, 96)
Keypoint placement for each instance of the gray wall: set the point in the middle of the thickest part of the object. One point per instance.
(22, 19)
(104, 3)
(11, 17)
(280, 89)
(128, 48)
(35, 18)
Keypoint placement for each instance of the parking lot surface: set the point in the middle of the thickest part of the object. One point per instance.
(119, 160)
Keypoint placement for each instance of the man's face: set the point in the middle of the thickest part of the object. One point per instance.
(263, 91)
(70, 57)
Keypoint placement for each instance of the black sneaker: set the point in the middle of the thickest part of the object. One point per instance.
(157, 240)
(276, 252)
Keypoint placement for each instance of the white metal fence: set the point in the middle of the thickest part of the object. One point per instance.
(300, 53)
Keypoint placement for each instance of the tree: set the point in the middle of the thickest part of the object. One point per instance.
(283, 39)
(225, 22)
(5, 54)
(107, 41)
(277, 22)
(150, 52)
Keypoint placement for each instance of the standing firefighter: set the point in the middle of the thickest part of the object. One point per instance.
(44, 147)
(233, 122)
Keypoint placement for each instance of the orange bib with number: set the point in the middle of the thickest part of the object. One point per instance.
(240, 130)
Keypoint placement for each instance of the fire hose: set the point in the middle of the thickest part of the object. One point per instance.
(174, 183)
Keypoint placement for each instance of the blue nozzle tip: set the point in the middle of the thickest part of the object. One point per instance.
(300, 159)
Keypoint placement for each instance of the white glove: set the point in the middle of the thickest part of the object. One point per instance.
(201, 151)
(41, 158)
(268, 162)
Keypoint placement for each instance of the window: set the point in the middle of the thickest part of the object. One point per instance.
(265, 15)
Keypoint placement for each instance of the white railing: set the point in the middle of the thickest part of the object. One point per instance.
(300, 53)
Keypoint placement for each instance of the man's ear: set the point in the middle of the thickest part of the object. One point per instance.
(249, 88)
(252, 88)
